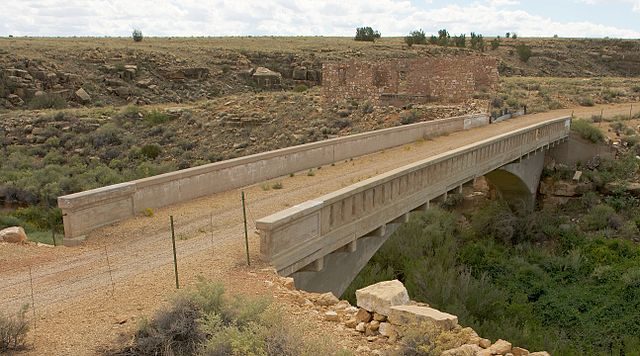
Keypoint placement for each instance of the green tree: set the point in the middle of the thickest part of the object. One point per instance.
(460, 41)
(137, 35)
(524, 52)
(366, 34)
(416, 37)
(477, 41)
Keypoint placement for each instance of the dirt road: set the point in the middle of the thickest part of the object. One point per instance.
(91, 296)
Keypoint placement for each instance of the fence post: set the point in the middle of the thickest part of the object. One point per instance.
(113, 287)
(631, 112)
(211, 228)
(175, 257)
(246, 234)
(33, 299)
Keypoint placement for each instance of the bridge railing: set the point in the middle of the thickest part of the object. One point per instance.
(293, 238)
(88, 210)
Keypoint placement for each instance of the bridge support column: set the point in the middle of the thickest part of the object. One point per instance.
(518, 182)
(342, 266)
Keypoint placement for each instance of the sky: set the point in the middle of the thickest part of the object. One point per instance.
(566, 18)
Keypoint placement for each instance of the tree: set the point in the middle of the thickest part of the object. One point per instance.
(416, 37)
(137, 35)
(508, 35)
(366, 34)
(460, 41)
(477, 41)
(514, 35)
(443, 37)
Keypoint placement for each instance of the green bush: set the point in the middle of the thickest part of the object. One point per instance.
(300, 88)
(156, 117)
(150, 151)
(47, 101)
(586, 101)
(409, 117)
(366, 34)
(587, 131)
(495, 44)
(524, 52)
(416, 37)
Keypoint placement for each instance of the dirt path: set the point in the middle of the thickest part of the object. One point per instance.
(91, 296)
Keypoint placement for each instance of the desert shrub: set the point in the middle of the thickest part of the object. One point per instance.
(409, 117)
(156, 117)
(460, 41)
(587, 131)
(452, 201)
(150, 151)
(206, 322)
(586, 101)
(495, 221)
(416, 37)
(366, 34)
(277, 185)
(497, 102)
(495, 44)
(524, 52)
(367, 107)
(13, 331)
(47, 101)
(137, 35)
(300, 88)
(107, 135)
(477, 41)
(600, 217)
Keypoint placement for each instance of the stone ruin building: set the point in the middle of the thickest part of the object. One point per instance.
(413, 80)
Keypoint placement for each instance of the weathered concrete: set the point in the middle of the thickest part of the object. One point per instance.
(576, 149)
(85, 211)
(295, 238)
(518, 182)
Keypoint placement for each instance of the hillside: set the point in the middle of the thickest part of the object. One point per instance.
(118, 71)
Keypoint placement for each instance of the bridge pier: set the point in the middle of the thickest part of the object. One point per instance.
(518, 182)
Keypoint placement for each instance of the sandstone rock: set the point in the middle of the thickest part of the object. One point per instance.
(406, 314)
(381, 296)
(374, 325)
(500, 347)
(379, 317)
(14, 234)
(388, 330)
(519, 351)
(540, 353)
(15, 100)
(363, 316)
(342, 305)
(361, 327)
(299, 73)
(485, 343)
(577, 175)
(351, 323)
(327, 299)
(83, 96)
(331, 316)
(464, 350)
(288, 283)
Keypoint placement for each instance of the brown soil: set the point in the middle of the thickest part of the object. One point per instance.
(84, 303)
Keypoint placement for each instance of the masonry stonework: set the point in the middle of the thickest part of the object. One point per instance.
(402, 81)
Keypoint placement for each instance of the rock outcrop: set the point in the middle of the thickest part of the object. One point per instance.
(14, 234)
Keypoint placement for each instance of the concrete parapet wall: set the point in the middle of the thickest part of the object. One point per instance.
(303, 235)
(85, 211)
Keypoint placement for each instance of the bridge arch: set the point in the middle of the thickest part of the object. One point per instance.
(518, 182)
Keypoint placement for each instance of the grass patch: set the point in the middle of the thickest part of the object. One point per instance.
(587, 131)
(47, 101)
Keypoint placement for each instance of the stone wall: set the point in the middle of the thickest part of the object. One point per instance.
(401, 81)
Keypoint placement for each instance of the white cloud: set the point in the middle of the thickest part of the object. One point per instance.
(280, 17)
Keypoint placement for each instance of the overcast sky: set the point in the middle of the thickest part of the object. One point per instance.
(567, 18)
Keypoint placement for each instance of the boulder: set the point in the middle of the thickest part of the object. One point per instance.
(361, 327)
(464, 350)
(379, 317)
(380, 297)
(82, 95)
(407, 314)
(14, 234)
(519, 351)
(485, 343)
(388, 330)
(351, 323)
(327, 299)
(500, 347)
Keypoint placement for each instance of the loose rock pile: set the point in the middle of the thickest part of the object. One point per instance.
(385, 315)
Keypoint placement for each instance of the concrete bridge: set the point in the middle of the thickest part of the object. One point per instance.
(325, 242)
